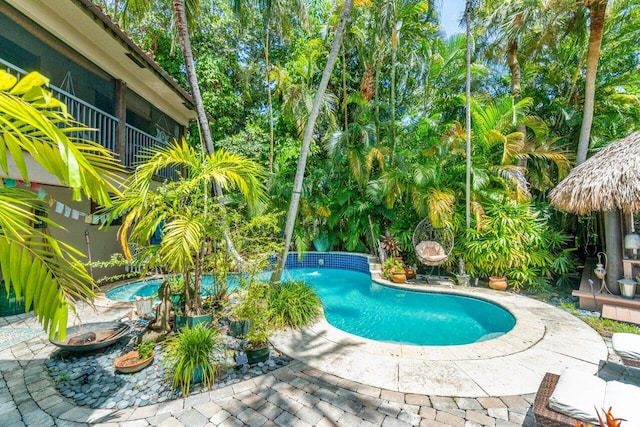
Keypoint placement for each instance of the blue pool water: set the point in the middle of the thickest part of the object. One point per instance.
(355, 304)
(149, 287)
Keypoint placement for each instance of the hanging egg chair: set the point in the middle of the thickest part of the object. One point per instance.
(433, 245)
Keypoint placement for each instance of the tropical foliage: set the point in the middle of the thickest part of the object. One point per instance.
(388, 146)
(185, 212)
(46, 272)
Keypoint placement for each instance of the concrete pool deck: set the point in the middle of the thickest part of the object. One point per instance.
(544, 339)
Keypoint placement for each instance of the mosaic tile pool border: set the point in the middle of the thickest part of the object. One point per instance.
(340, 260)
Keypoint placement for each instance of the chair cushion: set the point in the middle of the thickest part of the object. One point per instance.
(431, 251)
(578, 394)
(623, 400)
(626, 345)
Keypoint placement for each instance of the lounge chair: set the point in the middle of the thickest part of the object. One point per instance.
(575, 396)
(627, 346)
(545, 416)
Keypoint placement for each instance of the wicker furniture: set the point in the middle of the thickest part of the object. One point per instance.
(433, 245)
(545, 416)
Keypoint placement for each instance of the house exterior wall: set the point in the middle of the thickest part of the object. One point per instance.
(133, 103)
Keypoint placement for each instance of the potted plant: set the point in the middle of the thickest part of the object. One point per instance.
(410, 271)
(255, 309)
(393, 270)
(190, 358)
(135, 360)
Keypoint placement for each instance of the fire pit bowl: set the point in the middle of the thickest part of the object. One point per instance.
(92, 336)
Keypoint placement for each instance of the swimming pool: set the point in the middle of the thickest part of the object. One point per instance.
(356, 304)
(149, 287)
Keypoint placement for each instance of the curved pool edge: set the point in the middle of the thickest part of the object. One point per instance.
(544, 339)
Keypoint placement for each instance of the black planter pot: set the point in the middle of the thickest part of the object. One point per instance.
(191, 321)
(258, 355)
(238, 328)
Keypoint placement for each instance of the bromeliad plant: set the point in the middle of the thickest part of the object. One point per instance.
(192, 221)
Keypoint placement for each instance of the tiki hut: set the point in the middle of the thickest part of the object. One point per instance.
(607, 181)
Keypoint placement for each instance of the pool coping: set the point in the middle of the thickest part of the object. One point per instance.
(544, 339)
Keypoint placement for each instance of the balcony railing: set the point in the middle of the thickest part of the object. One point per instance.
(138, 144)
(105, 123)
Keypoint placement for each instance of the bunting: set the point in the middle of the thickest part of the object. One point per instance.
(55, 205)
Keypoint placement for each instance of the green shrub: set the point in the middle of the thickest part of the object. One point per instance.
(145, 349)
(190, 351)
(294, 304)
(255, 309)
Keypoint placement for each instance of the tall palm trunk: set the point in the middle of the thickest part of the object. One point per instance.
(187, 53)
(344, 90)
(514, 67)
(597, 9)
(394, 51)
(612, 224)
(269, 95)
(203, 123)
(467, 14)
(306, 141)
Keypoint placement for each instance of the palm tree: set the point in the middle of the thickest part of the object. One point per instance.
(46, 272)
(467, 18)
(190, 217)
(183, 13)
(597, 10)
(278, 17)
(306, 141)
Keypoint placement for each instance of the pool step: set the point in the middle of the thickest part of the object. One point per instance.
(375, 267)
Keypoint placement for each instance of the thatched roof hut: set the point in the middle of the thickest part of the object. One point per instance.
(607, 181)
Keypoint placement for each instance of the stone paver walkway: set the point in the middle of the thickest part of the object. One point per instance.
(297, 395)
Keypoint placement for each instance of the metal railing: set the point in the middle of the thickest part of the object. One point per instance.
(82, 111)
(106, 125)
(138, 144)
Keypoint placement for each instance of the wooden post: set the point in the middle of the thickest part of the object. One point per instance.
(121, 114)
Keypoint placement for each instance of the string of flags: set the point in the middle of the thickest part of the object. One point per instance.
(57, 206)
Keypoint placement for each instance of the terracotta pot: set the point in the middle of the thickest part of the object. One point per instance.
(498, 283)
(130, 362)
(410, 273)
(398, 277)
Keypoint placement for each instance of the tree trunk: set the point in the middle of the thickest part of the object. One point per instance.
(394, 50)
(597, 9)
(203, 122)
(306, 141)
(467, 15)
(514, 67)
(344, 90)
(269, 97)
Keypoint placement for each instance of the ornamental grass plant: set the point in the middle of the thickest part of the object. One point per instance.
(190, 358)
(294, 304)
